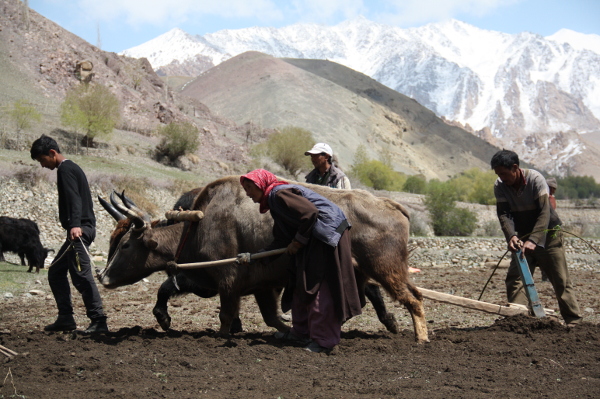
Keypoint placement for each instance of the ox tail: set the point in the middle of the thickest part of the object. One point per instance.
(401, 289)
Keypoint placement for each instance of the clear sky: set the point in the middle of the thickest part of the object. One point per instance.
(123, 24)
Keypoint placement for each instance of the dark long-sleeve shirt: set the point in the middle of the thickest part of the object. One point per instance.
(526, 210)
(75, 206)
(297, 217)
(304, 214)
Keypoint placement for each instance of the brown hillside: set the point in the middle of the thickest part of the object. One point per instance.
(45, 56)
(341, 111)
(38, 62)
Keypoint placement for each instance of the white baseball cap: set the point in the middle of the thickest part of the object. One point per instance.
(320, 148)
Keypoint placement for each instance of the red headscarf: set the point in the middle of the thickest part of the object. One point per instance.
(265, 181)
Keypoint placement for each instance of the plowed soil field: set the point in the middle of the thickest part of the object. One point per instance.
(471, 354)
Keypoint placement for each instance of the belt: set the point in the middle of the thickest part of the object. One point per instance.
(342, 227)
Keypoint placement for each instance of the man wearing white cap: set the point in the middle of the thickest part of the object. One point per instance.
(325, 172)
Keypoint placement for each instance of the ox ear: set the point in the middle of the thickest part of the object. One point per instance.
(149, 241)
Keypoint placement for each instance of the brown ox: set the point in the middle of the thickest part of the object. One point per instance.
(232, 224)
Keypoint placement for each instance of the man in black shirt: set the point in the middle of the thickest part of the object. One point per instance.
(76, 214)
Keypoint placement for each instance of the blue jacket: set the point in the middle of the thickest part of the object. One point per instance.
(331, 221)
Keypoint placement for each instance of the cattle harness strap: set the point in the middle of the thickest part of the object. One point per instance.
(172, 265)
(181, 216)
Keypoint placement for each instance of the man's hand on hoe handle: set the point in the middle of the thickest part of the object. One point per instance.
(516, 244)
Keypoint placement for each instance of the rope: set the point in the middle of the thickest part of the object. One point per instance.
(92, 264)
(71, 247)
(491, 275)
(60, 257)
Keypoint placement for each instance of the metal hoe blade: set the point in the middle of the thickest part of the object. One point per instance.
(530, 291)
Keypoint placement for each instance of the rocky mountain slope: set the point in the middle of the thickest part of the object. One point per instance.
(537, 95)
(38, 64)
(341, 107)
(46, 56)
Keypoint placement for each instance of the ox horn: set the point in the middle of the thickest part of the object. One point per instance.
(131, 205)
(140, 219)
(111, 209)
(126, 200)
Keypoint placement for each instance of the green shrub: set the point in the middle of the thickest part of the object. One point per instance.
(287, 147)
(379, 176)
(415, 184)
(376, 174)
(24, 115)
(446, 218)
(177, 139)
(574, 187)
(91, 108)
(475, 185)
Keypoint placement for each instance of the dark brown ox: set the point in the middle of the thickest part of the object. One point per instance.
(232, 224)
(179, 284)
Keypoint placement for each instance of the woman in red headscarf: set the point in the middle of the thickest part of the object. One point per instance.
(322, 292)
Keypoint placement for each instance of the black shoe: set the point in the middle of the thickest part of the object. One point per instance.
(97, 326)
(316, 348)
(290, 337)
(62, 323)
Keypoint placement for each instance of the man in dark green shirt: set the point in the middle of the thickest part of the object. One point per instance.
(76, 214)
(525, 216)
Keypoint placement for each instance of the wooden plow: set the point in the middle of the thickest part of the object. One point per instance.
(211, 263)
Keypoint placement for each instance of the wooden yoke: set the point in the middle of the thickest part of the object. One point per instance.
(184, 216)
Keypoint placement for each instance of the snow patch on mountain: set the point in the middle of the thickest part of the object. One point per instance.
(176, 45)
(579, 41)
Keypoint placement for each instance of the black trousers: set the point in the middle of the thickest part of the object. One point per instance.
(73, 258)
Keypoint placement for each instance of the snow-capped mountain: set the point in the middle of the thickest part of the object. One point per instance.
(507, 88)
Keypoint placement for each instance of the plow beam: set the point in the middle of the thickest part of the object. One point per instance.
(510, 310)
